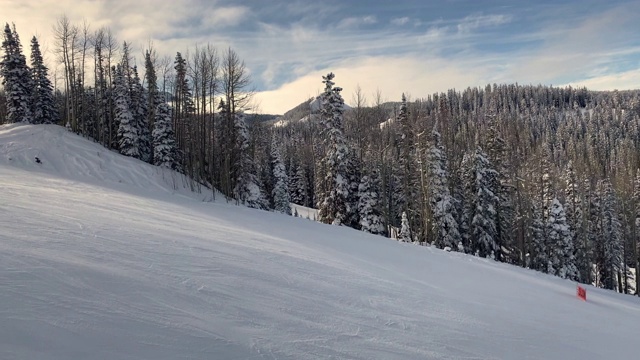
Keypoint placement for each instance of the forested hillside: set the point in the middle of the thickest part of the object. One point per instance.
(536, 176)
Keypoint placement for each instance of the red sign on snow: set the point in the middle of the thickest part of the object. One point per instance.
(581, 293)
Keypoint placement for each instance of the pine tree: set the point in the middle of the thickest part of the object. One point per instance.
(575, 219)
(546, 184)
(398, 199)
(247, 189)
(353, 177)
(281, 200)
(480, 199)
(152, 89)
(404, 183)
(139, 112)
(165, 152)
(401, 167)
(44, 108)
(464, 198)
(405, 229)
(594, 228)
(164, 143)
(609, 246)
(334, 207)
(300, 187)
(560, 239)
(369, 204)
(16, 78)
(539, 258)
(445, 226)
(505, 212)
(128, 137)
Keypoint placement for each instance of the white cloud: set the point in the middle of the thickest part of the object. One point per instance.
(400, 21)
(269, 74)
(225, 16)
(353, 22)
(391, 75)
(292, 54)
(575, 50)
(474, 22)
(621, 81)
(301, 34)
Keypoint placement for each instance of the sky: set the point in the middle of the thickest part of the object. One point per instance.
(417, 47)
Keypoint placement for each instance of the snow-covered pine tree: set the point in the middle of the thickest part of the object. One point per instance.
(505, 210)
(594, 227)
(247, 189)
(183, 109)
(405, 185)
(538, 258)
(266, 178)
(164, 142)
(445, 226)
(152, 88)
(400, 168)
(16, 78)
(397, 199)
(128, 137)
(483, 224)
(43, 104)
(405, 230)
(575, 219)
(139, 112)
(318, 187)
(546, 185)
(560, 239)
(371, 219)
(334, 206)
(464, 195)
(609, 247)
(353, 176)
(281, 200)
(299, 186)
(480, 199)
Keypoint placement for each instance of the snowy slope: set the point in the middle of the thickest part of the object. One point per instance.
(108, 262)
(65, 155)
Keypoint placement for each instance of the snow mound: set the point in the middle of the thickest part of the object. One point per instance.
(64, 154)
(304, 212)
(93, 265)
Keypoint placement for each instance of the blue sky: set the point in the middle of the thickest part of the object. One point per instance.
(416, 47)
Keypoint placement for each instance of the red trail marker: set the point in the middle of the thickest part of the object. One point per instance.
(581, 293)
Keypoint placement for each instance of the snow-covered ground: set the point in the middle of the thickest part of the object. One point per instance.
(103, 257)
(304, 212)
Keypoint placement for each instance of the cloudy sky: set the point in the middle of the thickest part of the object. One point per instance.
(418, 47)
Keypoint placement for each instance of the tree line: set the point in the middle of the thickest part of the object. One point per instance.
(186, 113)
(536, 176)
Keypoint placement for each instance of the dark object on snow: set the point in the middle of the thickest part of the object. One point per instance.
(38, 160)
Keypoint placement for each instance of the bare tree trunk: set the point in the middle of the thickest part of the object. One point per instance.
(65, 35)
(112, 48)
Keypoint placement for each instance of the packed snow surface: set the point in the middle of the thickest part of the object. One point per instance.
(104, 257)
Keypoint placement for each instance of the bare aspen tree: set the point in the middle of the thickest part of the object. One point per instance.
(66, 37)
(99, 81)
(204, 74)
(235, 81)
(83, 44)
(111, 47)
(357, 126)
